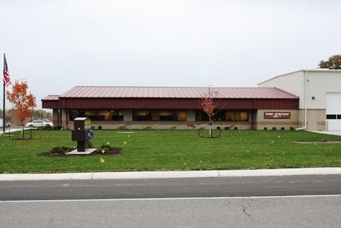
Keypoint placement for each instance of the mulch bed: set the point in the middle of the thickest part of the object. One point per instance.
(113, 151)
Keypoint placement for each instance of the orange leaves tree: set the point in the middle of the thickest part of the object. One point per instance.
(209, 101)
(23, 103)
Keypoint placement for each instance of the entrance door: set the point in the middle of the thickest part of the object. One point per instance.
(333, 111)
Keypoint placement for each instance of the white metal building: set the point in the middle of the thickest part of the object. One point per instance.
(320, 97)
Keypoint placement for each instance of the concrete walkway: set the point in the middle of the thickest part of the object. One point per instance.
(171, 174)
(14, 130)
(328, 132)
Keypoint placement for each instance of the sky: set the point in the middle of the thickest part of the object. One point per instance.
(55, 45)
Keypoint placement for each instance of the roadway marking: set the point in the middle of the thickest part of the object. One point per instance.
(171, 199)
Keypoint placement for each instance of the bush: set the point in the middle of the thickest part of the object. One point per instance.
(99, 127)
(274, 128)
(282, 128)
(59, 150)
(292, 128)
(265, 128)
(105, 148)
(218, 128)
(235, 128)
(226, 128)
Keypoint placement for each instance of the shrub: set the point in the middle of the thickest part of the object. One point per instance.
(226, 128)
(99, 127)
(59, 150)
(218, 128)
(235, 128)
(274, 128)
(105, 148)
(265, 128)
(292, 128)
(282, 128)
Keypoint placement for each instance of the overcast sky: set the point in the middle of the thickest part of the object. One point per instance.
(58, 44)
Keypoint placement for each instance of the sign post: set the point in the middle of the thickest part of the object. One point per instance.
(82, 132)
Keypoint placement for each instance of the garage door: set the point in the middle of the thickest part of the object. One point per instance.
(333, 111)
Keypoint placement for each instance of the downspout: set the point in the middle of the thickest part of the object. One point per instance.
(305, 106)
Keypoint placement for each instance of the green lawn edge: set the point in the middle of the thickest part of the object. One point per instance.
(163, 150)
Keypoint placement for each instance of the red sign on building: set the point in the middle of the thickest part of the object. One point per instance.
(276, 115)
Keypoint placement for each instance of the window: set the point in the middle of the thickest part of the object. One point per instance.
(201, 116)
(223, 115)
(98, 115)
(331, 117)
(237, 116)
(159, 115)
(142, 115)
(116, 115)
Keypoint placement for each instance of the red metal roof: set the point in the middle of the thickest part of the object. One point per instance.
(51, 97)
(174, 92)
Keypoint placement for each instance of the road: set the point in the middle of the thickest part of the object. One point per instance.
(276, 201)
(171, 188)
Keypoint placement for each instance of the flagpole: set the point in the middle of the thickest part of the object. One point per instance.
(3, 111)
(7, 81)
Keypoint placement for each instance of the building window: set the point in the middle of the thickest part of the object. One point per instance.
(223, 115)
(331, 117)
(95, 114)
(142, 115)
(159, 115)
(201, 116)
(237, 116)
(116, 115)
(219, 115)
(98, 115)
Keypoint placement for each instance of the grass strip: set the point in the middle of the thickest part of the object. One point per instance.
(146, 150)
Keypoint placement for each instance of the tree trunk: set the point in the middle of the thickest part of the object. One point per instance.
(210, 130)
(22, 133)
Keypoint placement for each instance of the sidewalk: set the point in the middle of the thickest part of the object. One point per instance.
(328, 132)
(7, 131)
(171, 174)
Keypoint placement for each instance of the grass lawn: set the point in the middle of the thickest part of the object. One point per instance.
(171, 150)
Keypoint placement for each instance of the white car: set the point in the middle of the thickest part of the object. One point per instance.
(39, 123)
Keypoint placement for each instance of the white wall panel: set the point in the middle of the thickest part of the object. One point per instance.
(318, 84)
(310, 85)
(292, 83)
(333, 103)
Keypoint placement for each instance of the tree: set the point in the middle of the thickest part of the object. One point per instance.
(23, 103)
(334, 63)
(209, 102)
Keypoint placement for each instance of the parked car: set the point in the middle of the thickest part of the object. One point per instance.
(39, 123)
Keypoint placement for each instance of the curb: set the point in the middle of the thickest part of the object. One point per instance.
(170, 174)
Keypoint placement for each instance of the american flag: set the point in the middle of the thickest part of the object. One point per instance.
(7, 79)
